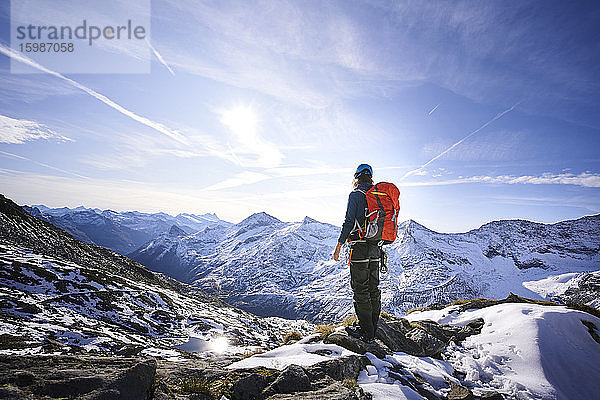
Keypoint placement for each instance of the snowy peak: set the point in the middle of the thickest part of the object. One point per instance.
(212, 217)
(308, 220)
(257, 220)
(272, 267)
(411, 225)
(176, 231)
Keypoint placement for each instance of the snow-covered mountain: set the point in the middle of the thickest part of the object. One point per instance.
(58, 294)
(490, 261)
(122, 232)
(72, 302)
(271, 267)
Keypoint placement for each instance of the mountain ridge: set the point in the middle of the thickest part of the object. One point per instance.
(271, 267)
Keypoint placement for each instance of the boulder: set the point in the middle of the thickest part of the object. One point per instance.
(356, 345)
(249, 387)
(337, 369)
(393, 335)
(449, 333)
(292, 379)
(136, 382)
(429, 345)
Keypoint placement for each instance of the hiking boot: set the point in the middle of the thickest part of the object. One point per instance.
(354, 332)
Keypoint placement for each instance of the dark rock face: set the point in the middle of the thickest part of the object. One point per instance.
(249, 387)
(393, 335)
(355, 345)
(137, 381)
(338, 369)
(76, 377)
(422, 338)
(429, 344)
(533, 263)
(587, 291)
(292, 379)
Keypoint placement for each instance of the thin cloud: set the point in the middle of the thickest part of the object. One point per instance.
(496, 117)
(18, 131)
(143, 120)
(584, 179)
(243, 178)
(159, 57)
(432, 110)
(43, 164)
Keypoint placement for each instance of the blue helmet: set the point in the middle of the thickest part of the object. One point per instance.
(363, 169)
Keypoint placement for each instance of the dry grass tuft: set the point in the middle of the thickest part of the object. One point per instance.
(252, 353)
(350, 383)
(324, 331)
(412, 310)
(292, 337)
(386, 315)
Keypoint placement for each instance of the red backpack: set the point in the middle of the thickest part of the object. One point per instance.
(383, 205)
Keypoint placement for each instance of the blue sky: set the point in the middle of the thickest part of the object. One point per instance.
(476, 110)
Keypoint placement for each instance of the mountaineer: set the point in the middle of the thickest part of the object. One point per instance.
(370, 222)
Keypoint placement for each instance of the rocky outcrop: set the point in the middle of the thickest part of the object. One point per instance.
(24, 377)
(422, 338)
(113, 378)
(355, 345)
(585, 291)
(331, 379)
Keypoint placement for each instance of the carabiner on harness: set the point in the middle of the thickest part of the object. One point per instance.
(383, 269)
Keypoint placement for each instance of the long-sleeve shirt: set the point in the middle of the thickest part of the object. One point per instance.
(357, 204)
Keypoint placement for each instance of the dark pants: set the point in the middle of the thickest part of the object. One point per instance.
(364, 279)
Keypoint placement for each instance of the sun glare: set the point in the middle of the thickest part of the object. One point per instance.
(219, 345)
(247, 145)
(241, 121)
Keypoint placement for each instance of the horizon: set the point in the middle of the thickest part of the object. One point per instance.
(477, 113)
(234, 222)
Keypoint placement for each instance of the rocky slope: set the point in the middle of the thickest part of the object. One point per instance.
(483, 349)
(59, 295)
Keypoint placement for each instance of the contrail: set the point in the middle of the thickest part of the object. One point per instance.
(43, 164)
(159, 57)
(433, 109)
(148, 122)
(498, 116)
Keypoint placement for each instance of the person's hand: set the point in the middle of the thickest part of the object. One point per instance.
(336, 252)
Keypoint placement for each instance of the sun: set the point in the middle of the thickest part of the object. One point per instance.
(241, 121)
